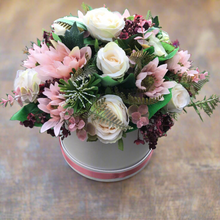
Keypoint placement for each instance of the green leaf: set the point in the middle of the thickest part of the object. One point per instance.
(207, 105)
(170, 49)
(124, 135)
(86, 7)
(38, 42)
(91, 138)
(108, 90)
(120, 144)
(131, 18)
(169, 56)
(156, 107)
(129, 82)
(149, 15)
(22, 114)
(96, 45)
(56, 37)
(129, 44)
(73, 38)
(89, 41)
(150, 50)
(156, 22)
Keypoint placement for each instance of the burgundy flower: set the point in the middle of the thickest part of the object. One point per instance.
(139, 141)
(158, 125)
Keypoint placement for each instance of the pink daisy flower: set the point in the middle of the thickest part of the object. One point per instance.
(179, 63)
(151, 80)
(57, 61)
(53, 106)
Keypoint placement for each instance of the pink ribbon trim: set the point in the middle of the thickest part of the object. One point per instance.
(104, 176)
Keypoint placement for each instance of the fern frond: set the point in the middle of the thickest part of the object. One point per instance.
(141, 100)
(174, 115)
(86, 71)
(135, 100)
(187, 81)
(104, 115)
(207, 105)
(141, 58)
(200, 83)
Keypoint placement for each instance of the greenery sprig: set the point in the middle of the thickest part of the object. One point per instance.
(207, 105)
(135, 100)
(187, 82)
(79, 94)
(141, 58)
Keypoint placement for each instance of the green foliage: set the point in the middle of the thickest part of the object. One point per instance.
(79, 94)
(159, 105)
(207, 105)
(187, 82)
(91, 41)
(131, 18)
(149, 50)
(154, 105)
(22, 114)
(135, 100)
(86, 7)
(120, 144)
(128, 82)
(56, 37)
(73, 37)
(149, 15)
(88, 70)
(174, 115)
(91, 138)
(96, 45)
(141, 58)
(104, 115)
(129, 44)
(38, 42)
(156, 22)
(170, 49)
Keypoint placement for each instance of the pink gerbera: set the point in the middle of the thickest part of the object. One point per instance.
(57, 61)
(179, 63)
(53, 105)
(151, 80)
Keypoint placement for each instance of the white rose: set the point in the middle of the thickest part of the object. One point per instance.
(111, 134)
(60, 29)
(103, 24)
(27, 83)
(180, 99)
(112, 61)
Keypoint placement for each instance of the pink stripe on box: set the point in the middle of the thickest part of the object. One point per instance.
(102, 175)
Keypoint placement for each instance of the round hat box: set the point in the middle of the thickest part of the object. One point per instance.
(105, 162)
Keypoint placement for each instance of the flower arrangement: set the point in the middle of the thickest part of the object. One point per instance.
(103, 74)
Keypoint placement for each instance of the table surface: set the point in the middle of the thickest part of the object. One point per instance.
(182, 180)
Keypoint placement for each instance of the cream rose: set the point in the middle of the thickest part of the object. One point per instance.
(111, 134)
(26, 84)
(112, 61)
(180, 99)
(103, 24)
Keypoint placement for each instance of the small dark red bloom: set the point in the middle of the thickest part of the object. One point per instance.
(139, 141)
(176, 43)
